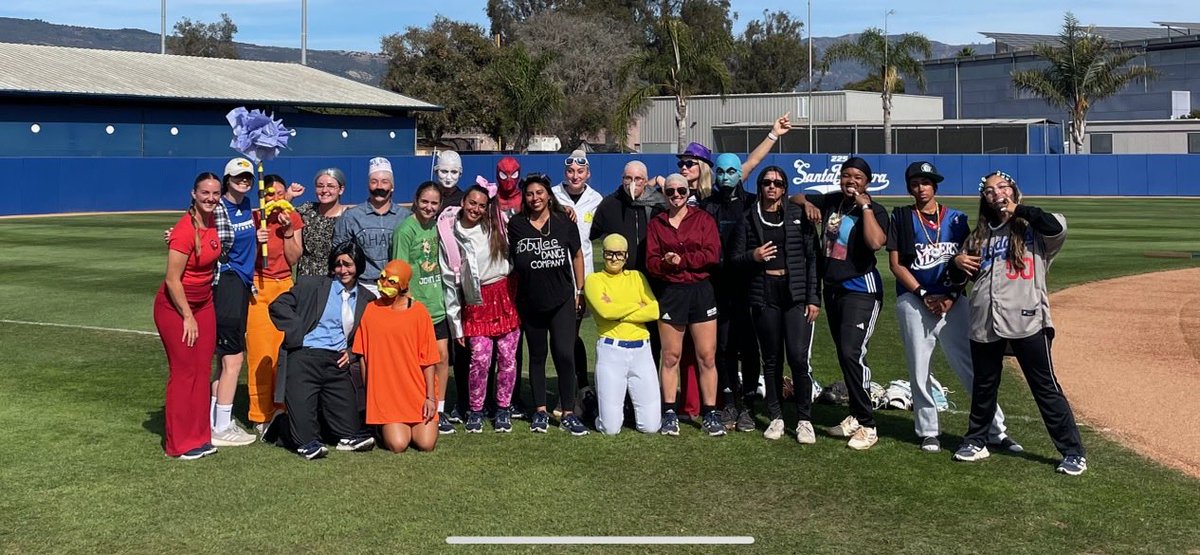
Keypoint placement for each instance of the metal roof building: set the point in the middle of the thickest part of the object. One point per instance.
(58, 101)
(658, 131)
(981, 86)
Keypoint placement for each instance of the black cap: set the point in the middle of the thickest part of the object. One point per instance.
(922, 169)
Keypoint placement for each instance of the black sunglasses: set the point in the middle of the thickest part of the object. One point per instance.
(672, 191)
(687, 164)
(774, 183)
(615, 255)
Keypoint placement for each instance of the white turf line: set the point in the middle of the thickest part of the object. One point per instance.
(78, 327)
(600, 540)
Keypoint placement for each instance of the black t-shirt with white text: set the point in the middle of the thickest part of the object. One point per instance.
(543, 261)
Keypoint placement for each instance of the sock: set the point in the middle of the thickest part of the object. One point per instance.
(442, 405)
(224, 416)
(705, 409)
(669, 406)
(212, 410)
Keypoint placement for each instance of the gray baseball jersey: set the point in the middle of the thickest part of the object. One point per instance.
(1011, 303)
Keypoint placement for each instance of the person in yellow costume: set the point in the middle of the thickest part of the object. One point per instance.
(622, 304)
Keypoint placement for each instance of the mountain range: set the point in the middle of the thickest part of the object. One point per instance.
(366, 67)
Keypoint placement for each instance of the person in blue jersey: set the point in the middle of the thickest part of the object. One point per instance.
(923, 238)
(854, 228)
(232, 290)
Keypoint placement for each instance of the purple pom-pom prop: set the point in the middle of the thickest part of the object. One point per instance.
(257, 135)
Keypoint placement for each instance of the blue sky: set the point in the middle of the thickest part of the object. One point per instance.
(359, 24)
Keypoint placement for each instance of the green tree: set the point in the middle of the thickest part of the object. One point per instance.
(885, 59)
(207, 40)
(586, 65)
(529, 97)
(678, 63)
(446, 64)
(1080, 71)
(965, 52)
(871, 83)
(771, 55)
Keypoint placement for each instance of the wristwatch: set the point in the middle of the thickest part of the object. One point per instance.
(921, 292)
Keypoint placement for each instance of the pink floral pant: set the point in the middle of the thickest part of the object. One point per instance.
(506, 367)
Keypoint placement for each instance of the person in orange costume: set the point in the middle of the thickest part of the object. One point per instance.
(399, 350)
(284, 247)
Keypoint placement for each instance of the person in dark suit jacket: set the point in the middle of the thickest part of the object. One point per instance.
(317, 372)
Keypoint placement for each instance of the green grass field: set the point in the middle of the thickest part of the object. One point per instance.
(82, 469)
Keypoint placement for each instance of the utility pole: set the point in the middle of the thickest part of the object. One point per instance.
(303, 32)
(811, 148)
(163, 43)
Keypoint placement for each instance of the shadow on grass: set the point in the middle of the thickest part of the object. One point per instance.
(156, 420)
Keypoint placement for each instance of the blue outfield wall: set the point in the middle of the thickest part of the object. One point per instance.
(47, 185)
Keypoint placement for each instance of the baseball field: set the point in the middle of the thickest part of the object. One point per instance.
(82, 469)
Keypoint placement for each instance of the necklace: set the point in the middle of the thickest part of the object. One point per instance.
(937, 224)
(764, 220)
(545, 230)
(835, 219)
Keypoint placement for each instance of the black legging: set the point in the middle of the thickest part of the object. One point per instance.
(581, 361)
(560, 324)
(737, 343)
(782, 323)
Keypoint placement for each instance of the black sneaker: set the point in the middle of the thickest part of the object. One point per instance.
(455, 416)
(1006, 444)
(198, 453)
(712, 424)
(574, 425)
(474, 422)
(729, 417)
(445, 425)
(745, 421)
(312, 450)
(503, 422)
(540, 423)
(1072, 465)
(516, 412)
(670, 424)
(358, 443)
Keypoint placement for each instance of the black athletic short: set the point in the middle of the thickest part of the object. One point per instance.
(441, 330)
(231, 302)
(687, 303)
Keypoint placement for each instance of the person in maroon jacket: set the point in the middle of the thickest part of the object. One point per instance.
(682, 247)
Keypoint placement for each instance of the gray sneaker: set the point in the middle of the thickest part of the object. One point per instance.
(729, 417)
(233, 436)
(969, 452)
(930, 445)
(745, 421)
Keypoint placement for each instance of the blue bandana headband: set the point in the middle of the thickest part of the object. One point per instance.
(1002, 175)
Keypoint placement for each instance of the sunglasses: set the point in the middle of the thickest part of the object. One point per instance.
(774, 183)
(615, 255)
(672, 191)
(243, 178)
(576, 161)
(689, 164)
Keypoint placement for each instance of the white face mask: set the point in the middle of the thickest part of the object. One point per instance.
(448, 177)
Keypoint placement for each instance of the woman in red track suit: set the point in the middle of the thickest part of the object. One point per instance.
(183, 314)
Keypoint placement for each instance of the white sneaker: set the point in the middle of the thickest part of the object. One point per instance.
(805, 434)
(845, 428)
(863, 439)
(774, 430)
(233, 436)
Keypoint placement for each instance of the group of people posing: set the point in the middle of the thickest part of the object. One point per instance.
(703, 280)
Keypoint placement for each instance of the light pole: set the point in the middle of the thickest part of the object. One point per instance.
(163, 15)
(303, 32)
(811, 148)
(885, 45)
(886, 78)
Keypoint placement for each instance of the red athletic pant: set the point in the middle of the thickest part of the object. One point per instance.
(189, 370)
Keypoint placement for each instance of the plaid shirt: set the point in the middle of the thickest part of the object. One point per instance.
(224, 234)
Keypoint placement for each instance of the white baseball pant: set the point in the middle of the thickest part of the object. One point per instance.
(626, 368)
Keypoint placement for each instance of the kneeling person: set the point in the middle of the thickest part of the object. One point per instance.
(622, 305)
(399, 349)
(318, 318)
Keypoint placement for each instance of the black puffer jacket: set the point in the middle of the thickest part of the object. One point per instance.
(618, 213)
(800, 244)
(728, 207)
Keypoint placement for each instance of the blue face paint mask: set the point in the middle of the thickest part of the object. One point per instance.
(728, 170)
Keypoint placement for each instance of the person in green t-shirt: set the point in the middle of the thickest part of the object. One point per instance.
(416, 241)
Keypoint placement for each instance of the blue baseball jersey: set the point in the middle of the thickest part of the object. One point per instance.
(936, 244)
(245, 239)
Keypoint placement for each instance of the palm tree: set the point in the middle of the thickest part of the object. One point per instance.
(679, 63)
(885, 60)
(1082, 70)
(965, 52)
(530, 97)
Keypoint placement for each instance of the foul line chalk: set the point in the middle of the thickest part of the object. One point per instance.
(78, 327)
(600, 540)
